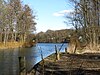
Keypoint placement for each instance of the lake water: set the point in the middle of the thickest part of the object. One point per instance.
(9, 61)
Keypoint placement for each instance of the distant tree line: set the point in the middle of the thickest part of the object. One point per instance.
(16, 21)
(51, 36)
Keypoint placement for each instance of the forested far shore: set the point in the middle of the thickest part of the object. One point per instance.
(54, 36)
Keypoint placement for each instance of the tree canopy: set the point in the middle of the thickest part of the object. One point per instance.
(17, 21)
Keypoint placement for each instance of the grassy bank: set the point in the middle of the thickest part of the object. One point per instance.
(11, 45)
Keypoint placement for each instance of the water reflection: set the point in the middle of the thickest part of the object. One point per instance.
(9, 62)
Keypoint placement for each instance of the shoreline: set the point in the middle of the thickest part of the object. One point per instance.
(69, 63)
(10, 45)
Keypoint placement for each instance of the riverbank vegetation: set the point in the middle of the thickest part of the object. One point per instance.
(86, 22)
(17, 22)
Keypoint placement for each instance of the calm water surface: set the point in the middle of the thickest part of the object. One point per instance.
(9, 62)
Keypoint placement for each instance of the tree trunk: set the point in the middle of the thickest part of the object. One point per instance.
(15, 36)
(24, 36)
(5, 37)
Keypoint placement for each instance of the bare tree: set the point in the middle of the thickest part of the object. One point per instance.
(16, 21)
(85, 20)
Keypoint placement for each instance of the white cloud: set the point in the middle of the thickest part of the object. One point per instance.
(58, 14)
(62, 13)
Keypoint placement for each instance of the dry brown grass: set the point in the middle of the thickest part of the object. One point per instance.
(11, 45)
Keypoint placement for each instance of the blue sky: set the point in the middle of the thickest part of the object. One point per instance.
(49, 13)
